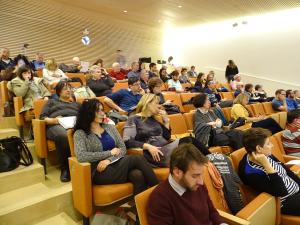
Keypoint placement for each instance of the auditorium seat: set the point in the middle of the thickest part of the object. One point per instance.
(258, 109)
(185, 97)
(227, 95)
(175, 98)
(178, 126)
(81, 76)
(268, 108)
(119, 86)
(227, 113)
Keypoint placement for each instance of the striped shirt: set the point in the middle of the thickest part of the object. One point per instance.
(291, 139)
(291, 186)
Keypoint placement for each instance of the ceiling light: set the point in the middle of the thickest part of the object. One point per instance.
(125, 11)
(180, 6)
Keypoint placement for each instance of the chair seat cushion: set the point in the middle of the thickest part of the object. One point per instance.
(161, 173)
(51, 145)
(108, 194)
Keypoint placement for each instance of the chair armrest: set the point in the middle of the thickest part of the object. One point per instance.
(18, 104)
(231, 219)
(40, 141)
(263, 206)
(81, 186)
(135, 151)
(290, 157)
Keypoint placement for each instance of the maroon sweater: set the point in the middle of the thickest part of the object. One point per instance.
(166, 207)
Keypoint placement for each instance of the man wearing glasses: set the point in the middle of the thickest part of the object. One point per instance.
(125, 100)
(279, 102)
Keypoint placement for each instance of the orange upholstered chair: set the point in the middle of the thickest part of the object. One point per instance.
(81, 76)
(227, 95)
(175, 98)
(258, 109)
(120, 85)
(185, 97)
(268, 108)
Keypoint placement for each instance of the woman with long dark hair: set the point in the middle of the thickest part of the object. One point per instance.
(231, 70)
(101, 145)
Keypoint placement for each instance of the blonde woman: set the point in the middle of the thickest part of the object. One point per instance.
(51, 73)
(143, 130)
(239, 110)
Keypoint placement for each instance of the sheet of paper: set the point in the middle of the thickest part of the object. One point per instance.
(67, 122)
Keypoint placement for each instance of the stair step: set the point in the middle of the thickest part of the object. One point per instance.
(31, 204)
(8, 132)
(8, 122)
(60, 219)
(21, 177)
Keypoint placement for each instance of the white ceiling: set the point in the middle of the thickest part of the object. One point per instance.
(154, 12)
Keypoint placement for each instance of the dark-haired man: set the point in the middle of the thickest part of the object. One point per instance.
(125, 100)
(153, 70)
(279, 102)
(183, 199)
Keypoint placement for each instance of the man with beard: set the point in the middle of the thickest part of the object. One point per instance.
(183, 199)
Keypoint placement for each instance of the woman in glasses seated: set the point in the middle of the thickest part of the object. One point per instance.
(101, 145)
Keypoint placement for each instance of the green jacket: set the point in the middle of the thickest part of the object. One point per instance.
(26, 90)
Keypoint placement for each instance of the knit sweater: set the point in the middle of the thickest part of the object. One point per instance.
(167, 207)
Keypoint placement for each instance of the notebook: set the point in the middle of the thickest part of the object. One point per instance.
(67, 122)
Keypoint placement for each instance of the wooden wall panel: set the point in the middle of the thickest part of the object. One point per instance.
(55, 29)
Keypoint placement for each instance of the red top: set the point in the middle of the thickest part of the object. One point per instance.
(167, 207)
(118, 75)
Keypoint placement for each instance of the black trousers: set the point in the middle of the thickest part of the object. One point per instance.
(132, 168)
(58, 134)
(291, 206)
(269, 124)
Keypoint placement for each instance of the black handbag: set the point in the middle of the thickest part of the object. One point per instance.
(237, 123)
(13, 152)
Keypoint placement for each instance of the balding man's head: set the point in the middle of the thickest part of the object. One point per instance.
(116, 67)
(76, 61)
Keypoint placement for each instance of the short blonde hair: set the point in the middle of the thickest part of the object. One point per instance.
(239, 99)
(51, 65)
(142, 106)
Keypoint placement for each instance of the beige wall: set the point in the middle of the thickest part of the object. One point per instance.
(56, 30)
(266, 50)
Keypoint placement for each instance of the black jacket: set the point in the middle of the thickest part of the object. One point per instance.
(4, 65)
(101, 87)
(231, 71)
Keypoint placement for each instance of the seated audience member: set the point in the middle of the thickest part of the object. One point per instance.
(52, 111)
(184, 78)
(265, 173)
(29, 88)
(163, 74)
(134, 70)
(5, 61)
(144, 77)
(174, 82)
(21, 60)
(153, 70)
(200, 83)
(259, 92)
(250, 92)
(38, 63)
(117, 72)
(51, 73)
(239, 89)
(237, 79)
(192, 72)
(142, 66)
(208, 127)
(125, 100)
(290, 100)
(297, 97)
(291, 134)
(239, 110)
(183, 198)
(101, 145)
(214, 96)
(9, 73)
(100, 82)
(143, 130)
(155, 85)
(75, 67)
(279, 102)
(99, 62)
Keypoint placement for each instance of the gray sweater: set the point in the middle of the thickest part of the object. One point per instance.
(88, 147)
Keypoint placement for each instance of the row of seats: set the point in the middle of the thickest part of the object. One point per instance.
(260, 209)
